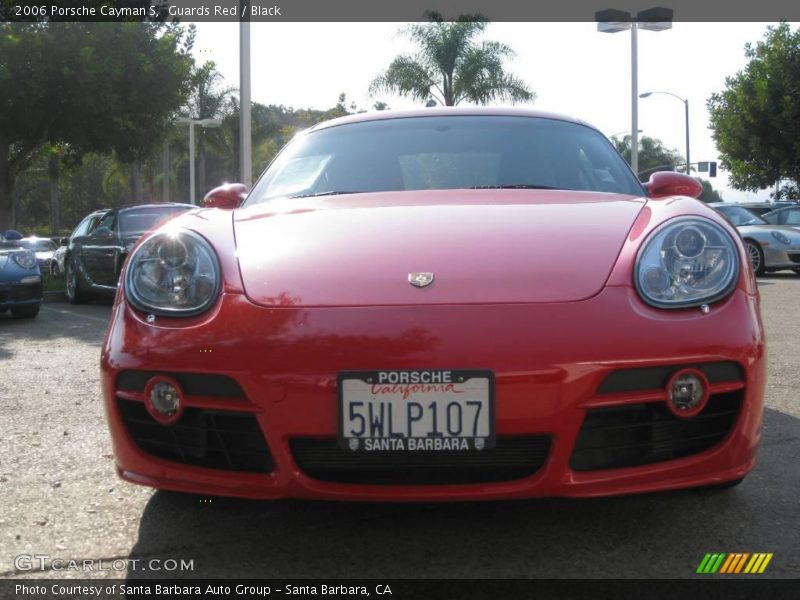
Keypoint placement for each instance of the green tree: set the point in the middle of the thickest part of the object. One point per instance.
(452, 66)
(709, 193)
(755, 120)
(653, 155)
(209, 99)
(85, 87)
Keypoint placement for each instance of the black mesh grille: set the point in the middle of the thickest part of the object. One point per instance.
(794, 258)
(656, 378)
(512, 458)
(197, 384)
(627, 436)
(205, 438)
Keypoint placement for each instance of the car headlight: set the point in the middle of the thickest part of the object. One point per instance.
(781, 237)
(173, 273)
(686, 262)
(25, 259)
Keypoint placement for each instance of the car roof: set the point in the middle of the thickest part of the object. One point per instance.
(785, 208)
(445, 111)
(738, 204)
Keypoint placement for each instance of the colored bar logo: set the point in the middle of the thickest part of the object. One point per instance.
(734, 563)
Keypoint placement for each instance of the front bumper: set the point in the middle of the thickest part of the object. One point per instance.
(20, 294)
(549, 360)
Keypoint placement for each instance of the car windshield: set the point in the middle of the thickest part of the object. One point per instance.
(42, 245)
(140, 220)
(446, 152)
(741, 216)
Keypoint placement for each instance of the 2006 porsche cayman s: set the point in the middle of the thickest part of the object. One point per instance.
(437, 305)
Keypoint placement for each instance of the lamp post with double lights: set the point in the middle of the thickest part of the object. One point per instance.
(614, 21)
(206, 123)
(686, 111)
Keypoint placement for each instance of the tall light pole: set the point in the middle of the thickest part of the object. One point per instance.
(614, 21)
(686, 110)
(245, 139)
(207, 123)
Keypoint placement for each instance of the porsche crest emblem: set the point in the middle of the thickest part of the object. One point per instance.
(420, 279)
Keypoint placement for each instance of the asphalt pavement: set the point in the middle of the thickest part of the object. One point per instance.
(60, 496)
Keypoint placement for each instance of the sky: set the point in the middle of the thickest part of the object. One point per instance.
(573, 69)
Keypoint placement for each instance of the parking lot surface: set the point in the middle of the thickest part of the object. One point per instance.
(61, 497)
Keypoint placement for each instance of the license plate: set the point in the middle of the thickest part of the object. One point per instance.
(437, 410)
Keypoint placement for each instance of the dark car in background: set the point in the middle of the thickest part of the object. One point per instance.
(100, 243)
(20, 281)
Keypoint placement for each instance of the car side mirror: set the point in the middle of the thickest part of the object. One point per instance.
(666, 183)
(227, 196)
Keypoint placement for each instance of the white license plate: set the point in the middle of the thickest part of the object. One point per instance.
(438, 410)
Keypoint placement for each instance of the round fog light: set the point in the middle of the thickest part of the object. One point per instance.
(687, 392)
(164, 399)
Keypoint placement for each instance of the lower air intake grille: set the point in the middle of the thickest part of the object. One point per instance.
(511, 458)
(200, 384)
(640, 434)
(214, 439)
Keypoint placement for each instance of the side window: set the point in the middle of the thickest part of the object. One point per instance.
(791, 217)
(84, 227)
(107, 221)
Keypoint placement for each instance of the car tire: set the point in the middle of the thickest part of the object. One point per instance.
(73, 284)
(796, 271)
(756, 255)
(25, 312)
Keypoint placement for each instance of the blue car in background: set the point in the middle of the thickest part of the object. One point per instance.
(20, 281)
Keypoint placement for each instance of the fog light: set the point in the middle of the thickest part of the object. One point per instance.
(164, 399)
(687, 392)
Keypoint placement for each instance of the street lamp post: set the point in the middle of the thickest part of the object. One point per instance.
(614, 21)
(245, 123)
(207, 123)
(686, 111)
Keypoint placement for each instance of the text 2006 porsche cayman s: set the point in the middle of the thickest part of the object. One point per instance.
(446, 304)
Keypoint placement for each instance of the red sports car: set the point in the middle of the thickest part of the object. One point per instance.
(444, 304)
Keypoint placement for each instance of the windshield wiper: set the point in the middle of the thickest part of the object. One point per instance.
(513, 186)
(328, 193)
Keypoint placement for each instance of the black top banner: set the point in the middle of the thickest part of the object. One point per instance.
(382, 10)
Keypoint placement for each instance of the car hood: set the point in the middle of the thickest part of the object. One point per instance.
(483, 246)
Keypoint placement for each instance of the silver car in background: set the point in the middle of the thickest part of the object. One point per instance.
(771, 247)
(789, 215)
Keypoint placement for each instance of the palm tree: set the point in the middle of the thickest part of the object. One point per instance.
(208, 101)
(452, 66)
